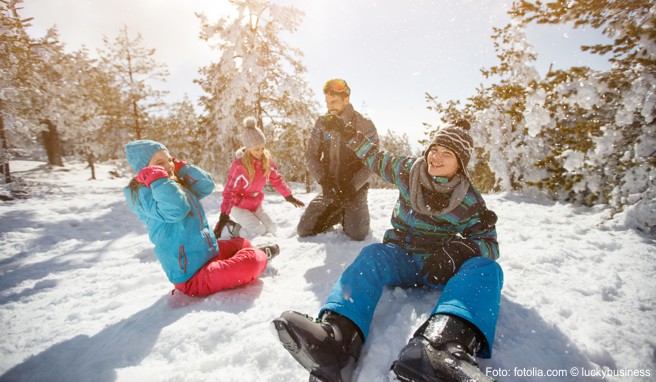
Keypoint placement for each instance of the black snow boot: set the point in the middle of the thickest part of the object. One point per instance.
(271, 250)
(442, 350)
(328, 348)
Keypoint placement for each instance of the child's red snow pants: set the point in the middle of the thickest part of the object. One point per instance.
(237, 264)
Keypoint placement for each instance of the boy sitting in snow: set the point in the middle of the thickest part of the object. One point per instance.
(444, 238)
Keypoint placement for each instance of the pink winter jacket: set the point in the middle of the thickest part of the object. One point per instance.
(241, 192)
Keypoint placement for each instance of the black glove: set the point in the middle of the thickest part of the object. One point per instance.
(439, 267)
(223, 221)
(335, 124)
(487, 221)
(294, 201)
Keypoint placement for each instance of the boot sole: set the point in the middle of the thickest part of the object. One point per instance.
(299, 350)
(467, 373)
(403, 374)
(294, 346)
(317, 378)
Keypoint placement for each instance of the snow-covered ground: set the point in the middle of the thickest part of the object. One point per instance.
(82, 297)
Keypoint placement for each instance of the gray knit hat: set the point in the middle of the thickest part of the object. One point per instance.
(251, 135)
(456, 138)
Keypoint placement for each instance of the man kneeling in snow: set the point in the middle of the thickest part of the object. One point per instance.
(443, 237)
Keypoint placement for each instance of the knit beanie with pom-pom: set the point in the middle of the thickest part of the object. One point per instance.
(456, 138)
(251, 135)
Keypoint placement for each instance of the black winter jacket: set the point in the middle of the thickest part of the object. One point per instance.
(327, 154)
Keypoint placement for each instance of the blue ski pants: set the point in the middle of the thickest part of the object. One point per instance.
(473, 293)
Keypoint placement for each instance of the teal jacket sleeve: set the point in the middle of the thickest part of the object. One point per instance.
(391, 168)
(199, 180)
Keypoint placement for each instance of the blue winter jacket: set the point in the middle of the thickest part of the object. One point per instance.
(416, 232)
(176, 222)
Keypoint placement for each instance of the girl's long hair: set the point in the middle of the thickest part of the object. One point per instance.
(248, 159)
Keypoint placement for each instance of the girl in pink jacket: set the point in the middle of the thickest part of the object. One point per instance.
(248, 174)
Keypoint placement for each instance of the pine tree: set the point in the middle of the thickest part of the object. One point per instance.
(256, 74)
(133, 68)
(70, 102)
(16, 71)
(105, 94)
(510, 114)
(619, 166)
(90, 94)
(576, 117)
(52, 94)
(55, 95)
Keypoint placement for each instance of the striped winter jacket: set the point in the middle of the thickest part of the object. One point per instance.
(420, 233)
(176, 222)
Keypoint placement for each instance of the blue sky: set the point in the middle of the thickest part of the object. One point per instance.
(391, 52)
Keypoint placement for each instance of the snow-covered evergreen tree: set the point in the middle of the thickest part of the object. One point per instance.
(134, 68)
(581, 135)
(59, 99)
(16, 73)
(570, 117)
(68, 97)
(100, 133)
(51, 96)
(256, 74)
(509, 115)
(619, 167)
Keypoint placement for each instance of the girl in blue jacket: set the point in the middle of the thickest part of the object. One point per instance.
(165, 195)
(442, 237)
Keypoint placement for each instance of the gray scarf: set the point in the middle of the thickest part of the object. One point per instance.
(419, 178)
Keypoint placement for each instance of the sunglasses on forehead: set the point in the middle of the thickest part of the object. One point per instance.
(336, 86)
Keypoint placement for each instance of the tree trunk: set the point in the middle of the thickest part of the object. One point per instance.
(4, 154)
(52, 144)
(135, 115)
(133, 97)
(91, 165)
